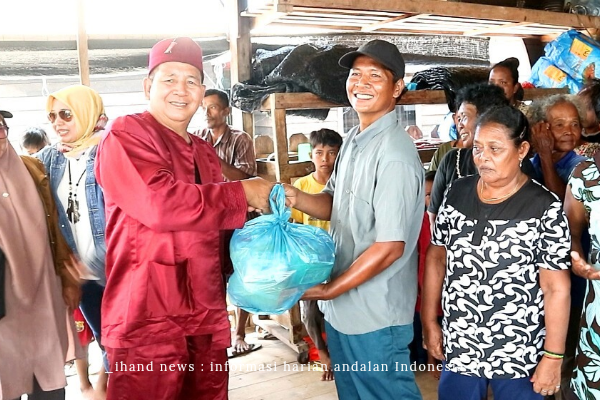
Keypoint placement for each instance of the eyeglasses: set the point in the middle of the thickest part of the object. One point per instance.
(3, 131)
(65, 115)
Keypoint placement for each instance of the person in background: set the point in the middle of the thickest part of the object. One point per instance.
(499, 264)
(472, 101)
(556, 128)
(167, 209)
(238, 161)
(557, 125)
(505, 74)
(234, 148)
(589, 143)
(38, 280)
(325, 144)
(583, 207)
(369, 302)
(419, 354)
(444, 148)
(33, 140)
(447, 130)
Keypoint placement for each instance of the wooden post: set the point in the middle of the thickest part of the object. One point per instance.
(241, 57)
(280, 142)
(82, 45)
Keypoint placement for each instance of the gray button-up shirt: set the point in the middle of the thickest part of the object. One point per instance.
(378, 196)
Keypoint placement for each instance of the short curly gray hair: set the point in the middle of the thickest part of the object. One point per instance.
(538, 111)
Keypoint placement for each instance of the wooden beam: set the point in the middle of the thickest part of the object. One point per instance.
(82, 45)
(464, 10)
(536, 93)
(378, 25)
(303, 101)
(241, 55)
(280, 141)
(278, 11)
(495, 29)
(298, 168)
(291, 101)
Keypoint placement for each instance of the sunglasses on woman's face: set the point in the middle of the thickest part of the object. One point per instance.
(3, 131)
(65, 115)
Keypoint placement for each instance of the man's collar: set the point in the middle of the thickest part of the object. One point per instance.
(224, 138)
(362, 138)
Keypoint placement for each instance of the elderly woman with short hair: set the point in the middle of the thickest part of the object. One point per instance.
(556, 129)
(499, 263)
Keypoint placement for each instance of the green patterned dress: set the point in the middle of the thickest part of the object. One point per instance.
(585, 186)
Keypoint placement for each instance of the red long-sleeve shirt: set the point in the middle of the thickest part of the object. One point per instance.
(164, 234)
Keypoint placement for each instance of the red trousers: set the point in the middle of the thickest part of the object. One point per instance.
(183, 369)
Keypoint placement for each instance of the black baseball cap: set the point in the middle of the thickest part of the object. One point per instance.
(384, 52)
(6, 114)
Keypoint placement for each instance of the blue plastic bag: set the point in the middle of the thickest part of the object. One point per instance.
(576, 54)
(275, 261)
(547, 75)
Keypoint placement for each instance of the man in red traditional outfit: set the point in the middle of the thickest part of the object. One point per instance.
(164, 319)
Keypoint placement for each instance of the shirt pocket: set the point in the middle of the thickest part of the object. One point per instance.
(168, 291)
(361, 215)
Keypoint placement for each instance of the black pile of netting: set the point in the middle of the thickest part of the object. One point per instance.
(304, 68)
(449, 79)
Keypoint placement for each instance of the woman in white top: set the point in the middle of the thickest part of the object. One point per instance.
(77, 116)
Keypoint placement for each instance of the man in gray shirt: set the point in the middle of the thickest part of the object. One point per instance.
(375, 201)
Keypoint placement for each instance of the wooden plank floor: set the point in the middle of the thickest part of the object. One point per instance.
(270, 373)
(250, 378)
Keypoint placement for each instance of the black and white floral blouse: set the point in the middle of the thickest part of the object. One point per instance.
(493, 306)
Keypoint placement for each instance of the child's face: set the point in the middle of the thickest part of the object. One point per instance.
(324, 157)
(428, 186)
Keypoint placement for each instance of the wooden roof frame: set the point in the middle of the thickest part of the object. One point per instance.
(402, 14)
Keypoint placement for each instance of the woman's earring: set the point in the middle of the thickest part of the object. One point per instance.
(520, 163)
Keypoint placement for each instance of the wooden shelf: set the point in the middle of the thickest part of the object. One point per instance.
(392, 17)
(300, 101)
(416, 17)
(270, 171)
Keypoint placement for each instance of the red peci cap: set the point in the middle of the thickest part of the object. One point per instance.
(182, 49)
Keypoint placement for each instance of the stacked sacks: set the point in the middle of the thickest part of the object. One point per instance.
(547, 75)
(573, 54)
(576, 54)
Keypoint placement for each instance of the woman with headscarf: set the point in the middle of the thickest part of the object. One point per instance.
(77, 116)
(34, 268)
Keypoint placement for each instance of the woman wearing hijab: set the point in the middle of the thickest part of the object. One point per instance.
(34, 269)
(77, 116)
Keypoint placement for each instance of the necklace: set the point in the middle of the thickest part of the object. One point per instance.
(72, 202)
(497, 198)
(458, 164)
